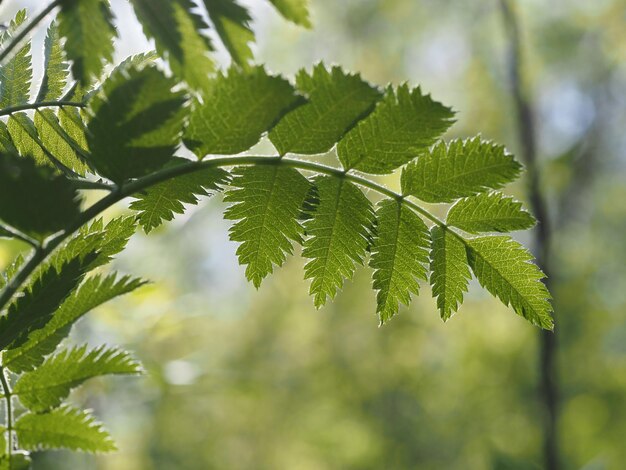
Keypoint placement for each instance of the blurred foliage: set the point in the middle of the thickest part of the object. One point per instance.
(241, 379)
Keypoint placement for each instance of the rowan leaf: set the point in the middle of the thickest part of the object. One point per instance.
(232, 24)
(450, 272)
(55, 70)
(489, 212)
(62, 428)
(459, 169)
(48, 385)
(336, 101)
(296, 11)
(58, 143)
(160, 202)
(37, 304)
(136, 123)
(505, 268)
(16, 74)
(399, 256)
(93, 292)
(236, 110)
(87, 26)
(267, 200)
(177, 28)
(338, 235)
(404, 123)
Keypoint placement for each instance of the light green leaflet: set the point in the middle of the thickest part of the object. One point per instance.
(399, 256)
(63, 428)
(505, 268)
(336, 100)
(339, 232)
(459, 169)
(236, 110)
(404, 123)
(489, 212)
(267, 202)
(450, 272)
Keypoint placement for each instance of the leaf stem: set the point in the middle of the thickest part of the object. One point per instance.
(42, 104)
(8, 394)
(128, 189)
(15, 41)
(19, 236)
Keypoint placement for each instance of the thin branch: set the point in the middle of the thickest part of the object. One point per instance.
(141, 184)
(42, 104)
(6, 388)
(543, 235)
(94, 185)
(18, 235)
(19, 37)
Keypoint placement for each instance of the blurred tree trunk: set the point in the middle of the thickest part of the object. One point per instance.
(527, 136)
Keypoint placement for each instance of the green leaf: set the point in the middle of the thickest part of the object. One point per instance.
(34, 200)
(48, 385)
(402, 126)
(136, 124)
(489, 212)
(236, 110)
(106, 241)
(37, 304)
(267, 202)
(56, 69)
(504, 268)
(6, 141)
(17, 73)
(296, 11)
(338, 232)
(57, 142)
(23, 134)
(87, 26)
(450, 272)
(161, 201)
(459, 169)
(94, 292)
(232, 23)
(176, 30)
(11, 270)
(399, 254)
(73, 125)
(19, 460)
(336, 101)
(63, 428)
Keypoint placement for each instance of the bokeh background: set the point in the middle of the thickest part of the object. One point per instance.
(246, 379)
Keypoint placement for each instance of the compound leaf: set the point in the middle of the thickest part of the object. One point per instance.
(399, 254)
(87, 26)
(459, 169)
(161, 201)
(403, 125)
(49, 384)
(236, 110)
(339, 232)
(136, 124)
(505, 268)
(62, 428)
(94, 292)
(267, 201)
(336, 101)
(450, 272)
(489, 212)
